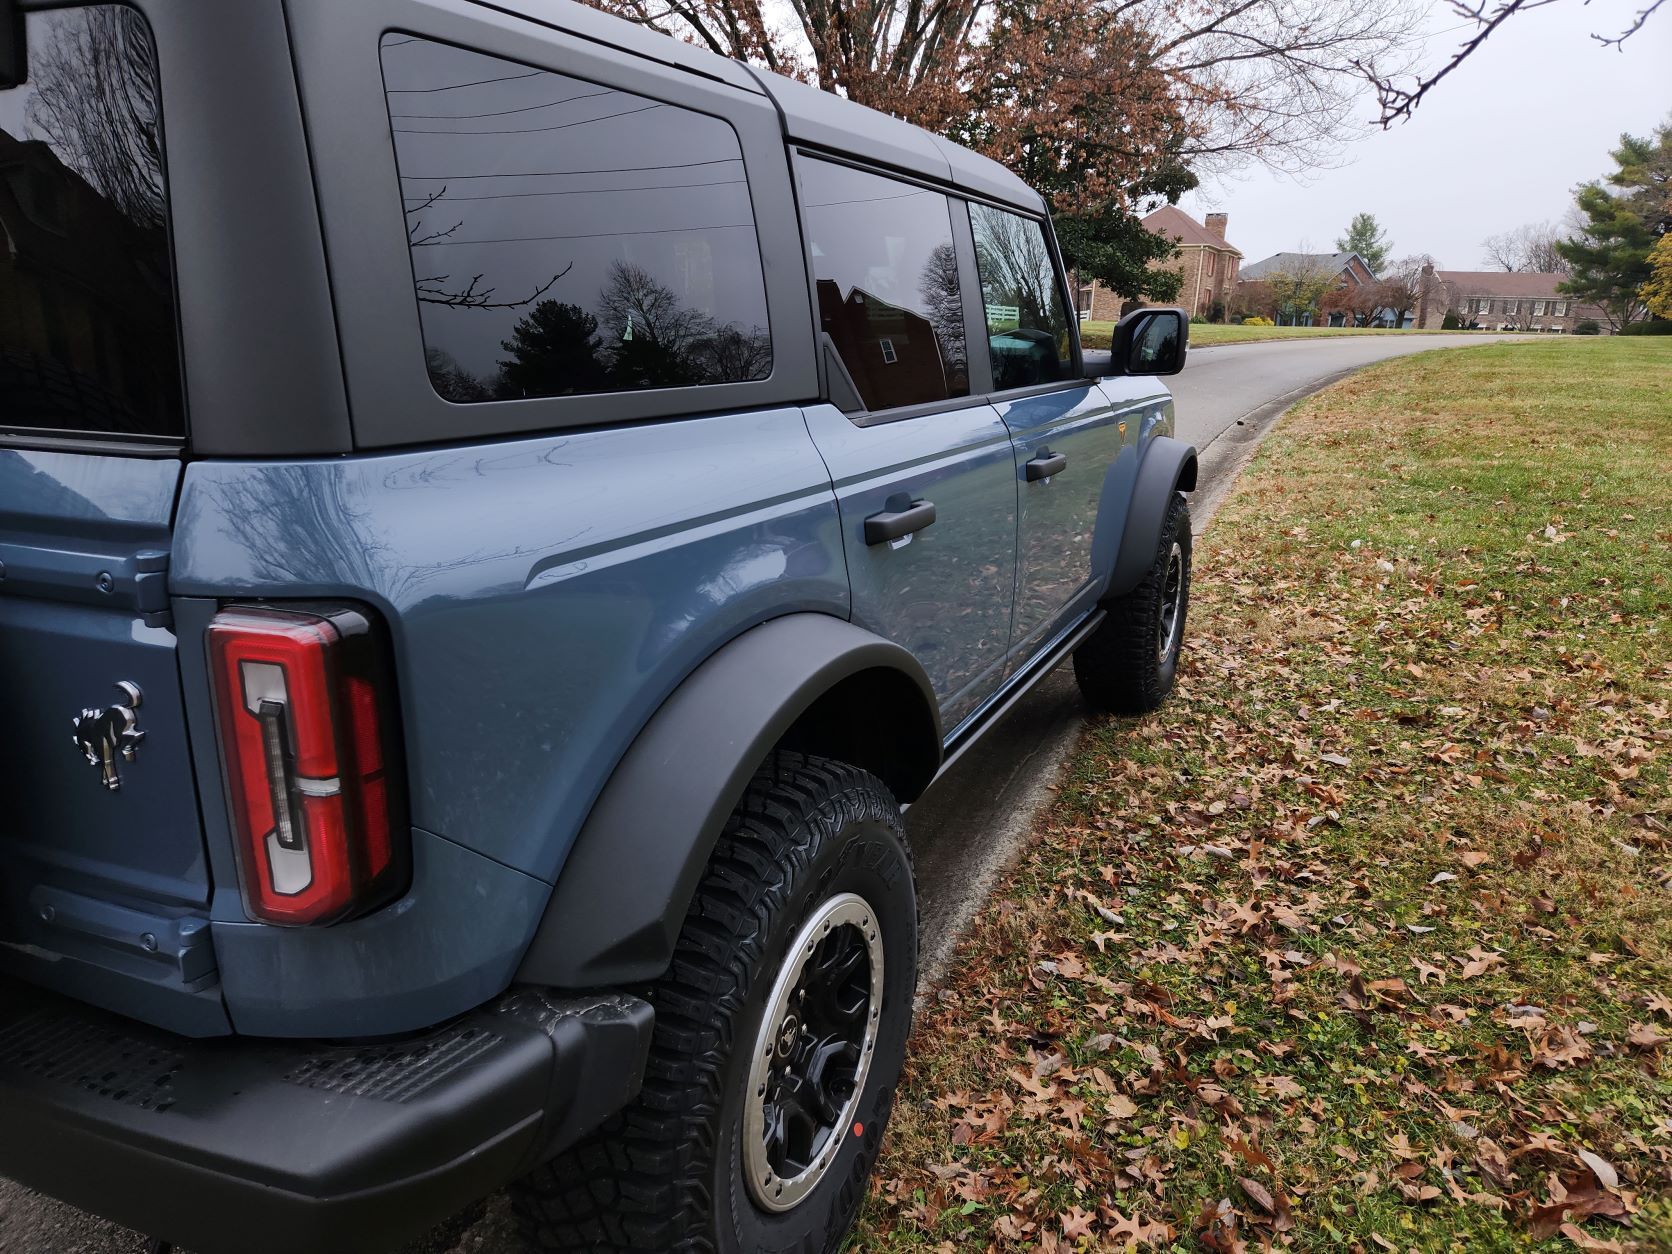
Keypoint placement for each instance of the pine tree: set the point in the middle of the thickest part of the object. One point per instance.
(1609, 258)
(1366, 238)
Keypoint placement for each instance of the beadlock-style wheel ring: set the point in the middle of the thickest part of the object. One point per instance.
(1172, 596)
(813, 1052)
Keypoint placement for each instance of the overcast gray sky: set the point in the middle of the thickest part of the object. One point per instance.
(1501, 142)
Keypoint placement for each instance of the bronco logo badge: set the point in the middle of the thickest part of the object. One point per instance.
(102, 734)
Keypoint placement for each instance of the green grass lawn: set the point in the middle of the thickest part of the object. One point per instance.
(1096, 334)
(1364, 941)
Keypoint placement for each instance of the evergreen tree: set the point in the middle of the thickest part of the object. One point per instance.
(554, 350)
(1609, 258)
(1366, 238)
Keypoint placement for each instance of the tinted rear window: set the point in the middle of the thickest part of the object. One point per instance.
(887, 280)
(88, 343)
(567, 237)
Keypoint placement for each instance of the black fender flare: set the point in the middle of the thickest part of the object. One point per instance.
(623, 892)
(1168, 466)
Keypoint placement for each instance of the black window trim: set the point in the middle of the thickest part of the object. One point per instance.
(57, 439)
(392, 401)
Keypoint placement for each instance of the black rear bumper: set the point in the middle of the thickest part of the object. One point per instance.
(279, 1148)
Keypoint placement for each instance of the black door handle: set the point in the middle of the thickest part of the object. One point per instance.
(891, 524)
(1046, 464)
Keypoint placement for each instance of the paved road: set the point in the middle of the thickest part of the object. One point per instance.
(972, 822)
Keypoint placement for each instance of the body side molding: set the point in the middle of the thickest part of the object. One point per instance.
(621, 897)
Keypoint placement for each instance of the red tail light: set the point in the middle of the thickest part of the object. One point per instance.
(308, 738)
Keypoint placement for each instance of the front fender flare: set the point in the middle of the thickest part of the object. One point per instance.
(622, 894)
(1168, 466)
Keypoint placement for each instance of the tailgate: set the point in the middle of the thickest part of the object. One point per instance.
(104, 882)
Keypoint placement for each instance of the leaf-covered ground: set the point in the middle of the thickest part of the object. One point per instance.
(1363, 942)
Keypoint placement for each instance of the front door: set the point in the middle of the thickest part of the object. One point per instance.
(923, 473)
(1068, 436)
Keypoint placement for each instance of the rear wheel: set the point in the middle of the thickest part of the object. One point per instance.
(1127, 666)
(780, 1031)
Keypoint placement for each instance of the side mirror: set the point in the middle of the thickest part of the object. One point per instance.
(1150, 341)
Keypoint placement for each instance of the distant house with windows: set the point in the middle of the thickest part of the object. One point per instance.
(1206, 262)
(1503, 300)
(1339, 271)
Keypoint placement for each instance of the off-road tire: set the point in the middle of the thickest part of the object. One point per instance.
(1120, 667)
(666, 1173)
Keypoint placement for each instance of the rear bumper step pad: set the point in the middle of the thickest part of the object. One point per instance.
(275, 1147)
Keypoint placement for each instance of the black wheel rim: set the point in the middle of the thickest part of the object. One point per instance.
(813, 1052)
(1172, 604)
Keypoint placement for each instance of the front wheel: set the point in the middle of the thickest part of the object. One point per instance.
(1127, 666)
(780, 1032)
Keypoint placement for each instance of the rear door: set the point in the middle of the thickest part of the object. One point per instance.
(104, 882)
(923, 472)
(1067, 434)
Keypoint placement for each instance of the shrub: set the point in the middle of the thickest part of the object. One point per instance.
(1654, 326)
(1452, 321)
(1257, 321)
(1587, 326)
(1216, 311)
(1197, 318)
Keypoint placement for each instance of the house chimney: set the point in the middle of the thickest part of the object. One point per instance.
(1425, 287)
(1215, 223)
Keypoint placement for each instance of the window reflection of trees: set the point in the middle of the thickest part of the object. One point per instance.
(887, 284)
(1026, 320)
(657, 318)
(649, 340)
(84, 257)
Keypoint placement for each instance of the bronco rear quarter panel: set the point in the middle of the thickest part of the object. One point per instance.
(544, 597)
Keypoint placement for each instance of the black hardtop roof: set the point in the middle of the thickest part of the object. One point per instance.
(818, 118)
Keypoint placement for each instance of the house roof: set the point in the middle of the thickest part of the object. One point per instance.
(1291, 263)
(1174, 222)
(1515, 284)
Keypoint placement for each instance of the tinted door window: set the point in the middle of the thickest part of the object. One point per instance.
(567, 237)
(887, 279)
(1027, 319)
(87, 329)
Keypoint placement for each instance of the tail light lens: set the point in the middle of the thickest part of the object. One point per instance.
(308, 737)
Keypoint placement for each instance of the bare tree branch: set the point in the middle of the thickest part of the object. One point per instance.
(432, 289)
(1637, 25)
(1398, 103)
(430, 292)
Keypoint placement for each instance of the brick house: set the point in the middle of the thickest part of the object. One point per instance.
(1347, 270)
(1503, 300)
(1206, 261)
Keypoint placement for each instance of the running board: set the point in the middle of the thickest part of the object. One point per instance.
(1020, 687)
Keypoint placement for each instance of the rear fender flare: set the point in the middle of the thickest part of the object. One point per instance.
(623, 892)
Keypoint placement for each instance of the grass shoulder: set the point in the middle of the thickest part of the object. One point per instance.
(1365, 939)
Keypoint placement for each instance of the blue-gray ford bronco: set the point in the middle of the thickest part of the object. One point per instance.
(500, 512)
